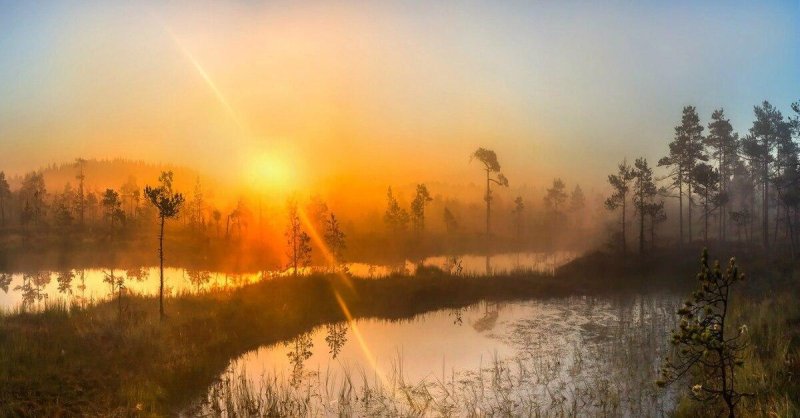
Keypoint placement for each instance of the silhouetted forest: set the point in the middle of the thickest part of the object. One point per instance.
(711, 184)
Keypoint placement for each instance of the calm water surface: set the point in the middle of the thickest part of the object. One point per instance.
(33, 289)
(569, 356)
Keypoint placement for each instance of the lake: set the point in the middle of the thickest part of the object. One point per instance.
(34, 289)
(585, 356)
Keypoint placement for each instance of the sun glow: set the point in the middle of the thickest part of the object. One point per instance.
(271, 172)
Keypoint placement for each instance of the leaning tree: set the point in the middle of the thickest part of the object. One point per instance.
(493, 175)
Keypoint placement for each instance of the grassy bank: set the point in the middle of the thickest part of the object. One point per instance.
(94, 362)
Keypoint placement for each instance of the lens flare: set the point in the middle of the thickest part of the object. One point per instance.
(206, 78)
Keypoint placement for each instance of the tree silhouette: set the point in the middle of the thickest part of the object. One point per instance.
(64, 279)
(421, 198)
(768, 131)
(493, 175)
(131, 192)
(621, 184)
(706, 180)
(685, 151)
(217, 216)
(5, 194)
(297, 239)
(62, 208)
(197, 207)
(450, 222)
(300, 352)
(334, 239)
(555, 198)
(112, 209)
(198, 278)
(80, 197)
(336, 338)
(655, 212)
(317, 211)
(5, 281)
(704, 347)
(518, 217)
(32, 196)
(724, 145)
(577, 203)
(168, 205)
(644, 189)
(395, 217)
(577, 200)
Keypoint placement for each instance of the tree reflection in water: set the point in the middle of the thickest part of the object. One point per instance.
(5, 281)
(336, 338)
(64, 279)
(301, 352)
(31, 288)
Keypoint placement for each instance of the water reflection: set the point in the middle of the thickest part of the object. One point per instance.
(301, 351)
(336, 338)
(5, 281)
(584, 356)
(29, 290)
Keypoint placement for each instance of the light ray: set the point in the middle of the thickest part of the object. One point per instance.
(361, 342)
(206, 78)
(326, 252)
(323, 247)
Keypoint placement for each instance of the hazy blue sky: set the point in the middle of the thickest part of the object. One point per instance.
(404, 89)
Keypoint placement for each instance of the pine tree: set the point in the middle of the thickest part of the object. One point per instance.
(706, 180)
(299, 242)
(493, 175)
(769, 130)
(621, 184)
(555, 198)
(724, 145)
(685, 151)
(168, 204)
(334, 240)
(396, 218)
(5, 194)
(421, 199)
(518, 216)
(644, 189)
(706, 347)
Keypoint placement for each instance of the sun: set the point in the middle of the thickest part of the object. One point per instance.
(270, 172)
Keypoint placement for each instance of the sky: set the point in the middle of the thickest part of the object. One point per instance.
(325, 94)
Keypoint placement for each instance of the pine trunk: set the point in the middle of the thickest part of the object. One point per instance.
(161, 270)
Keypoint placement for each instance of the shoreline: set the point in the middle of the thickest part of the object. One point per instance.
(61, 356)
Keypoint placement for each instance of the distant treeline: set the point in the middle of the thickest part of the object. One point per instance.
(727, 187)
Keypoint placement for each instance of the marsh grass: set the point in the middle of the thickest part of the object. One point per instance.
(86, 360)
(92, 361)
(772, 361)
(583, 367)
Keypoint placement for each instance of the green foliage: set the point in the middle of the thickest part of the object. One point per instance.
(706, 348)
